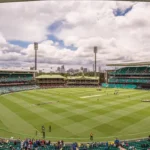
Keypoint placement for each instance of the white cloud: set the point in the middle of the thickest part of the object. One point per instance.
(2, 39)
(86, 24)
(29, 21)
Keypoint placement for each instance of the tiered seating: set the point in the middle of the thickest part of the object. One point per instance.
(126, 86)
(142, 70)
(13, 82)
(130, 77)
(139, 145)
(9, 89)
(129, 80)
(15, 77)
(131, 71)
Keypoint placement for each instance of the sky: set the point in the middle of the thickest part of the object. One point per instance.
(67, 31)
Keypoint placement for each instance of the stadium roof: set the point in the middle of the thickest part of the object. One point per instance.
(82, 77)
(131, 64)
(49, 77)
(18, 71)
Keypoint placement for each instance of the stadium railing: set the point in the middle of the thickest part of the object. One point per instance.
(126, 86)
(15, 78)
(127, 80)
(10, 89)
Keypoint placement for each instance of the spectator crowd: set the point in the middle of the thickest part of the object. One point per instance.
(32, 144)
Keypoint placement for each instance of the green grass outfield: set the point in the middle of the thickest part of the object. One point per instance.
(78, 112)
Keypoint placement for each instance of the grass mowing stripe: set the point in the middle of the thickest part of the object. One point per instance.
(142, 125)
(111, 113)
(114, 115)
(119, 102)
(39, 116)
(47, 97)
(12, 120)
(32, 118)
(2, 125)
(115, 105)
(35, 101)
(122, 122)
(53, 107)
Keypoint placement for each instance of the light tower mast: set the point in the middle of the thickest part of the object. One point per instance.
(35, 48)
(95, 52)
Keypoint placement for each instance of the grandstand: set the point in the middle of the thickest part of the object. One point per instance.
(133, 76)
(46, 81)
(82, 81)
(12, 81)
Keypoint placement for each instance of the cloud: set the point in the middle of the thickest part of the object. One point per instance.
(81, 24)
(29, 21)
(2, 39)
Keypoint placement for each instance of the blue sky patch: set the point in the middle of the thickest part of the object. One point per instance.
(53, 28)
(61, 44)
(56, 26)
(51, 37)
(119, 12)
(20, 43)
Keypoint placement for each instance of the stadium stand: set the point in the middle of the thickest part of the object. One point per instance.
(13, 81)
(47, 81)
(15, 77)
(10, 89)
(129, 77)
(132, 71)
(82, 81)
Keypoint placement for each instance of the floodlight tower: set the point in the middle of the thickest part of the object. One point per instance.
(95, 52)
(93, 68)
(35, 48)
